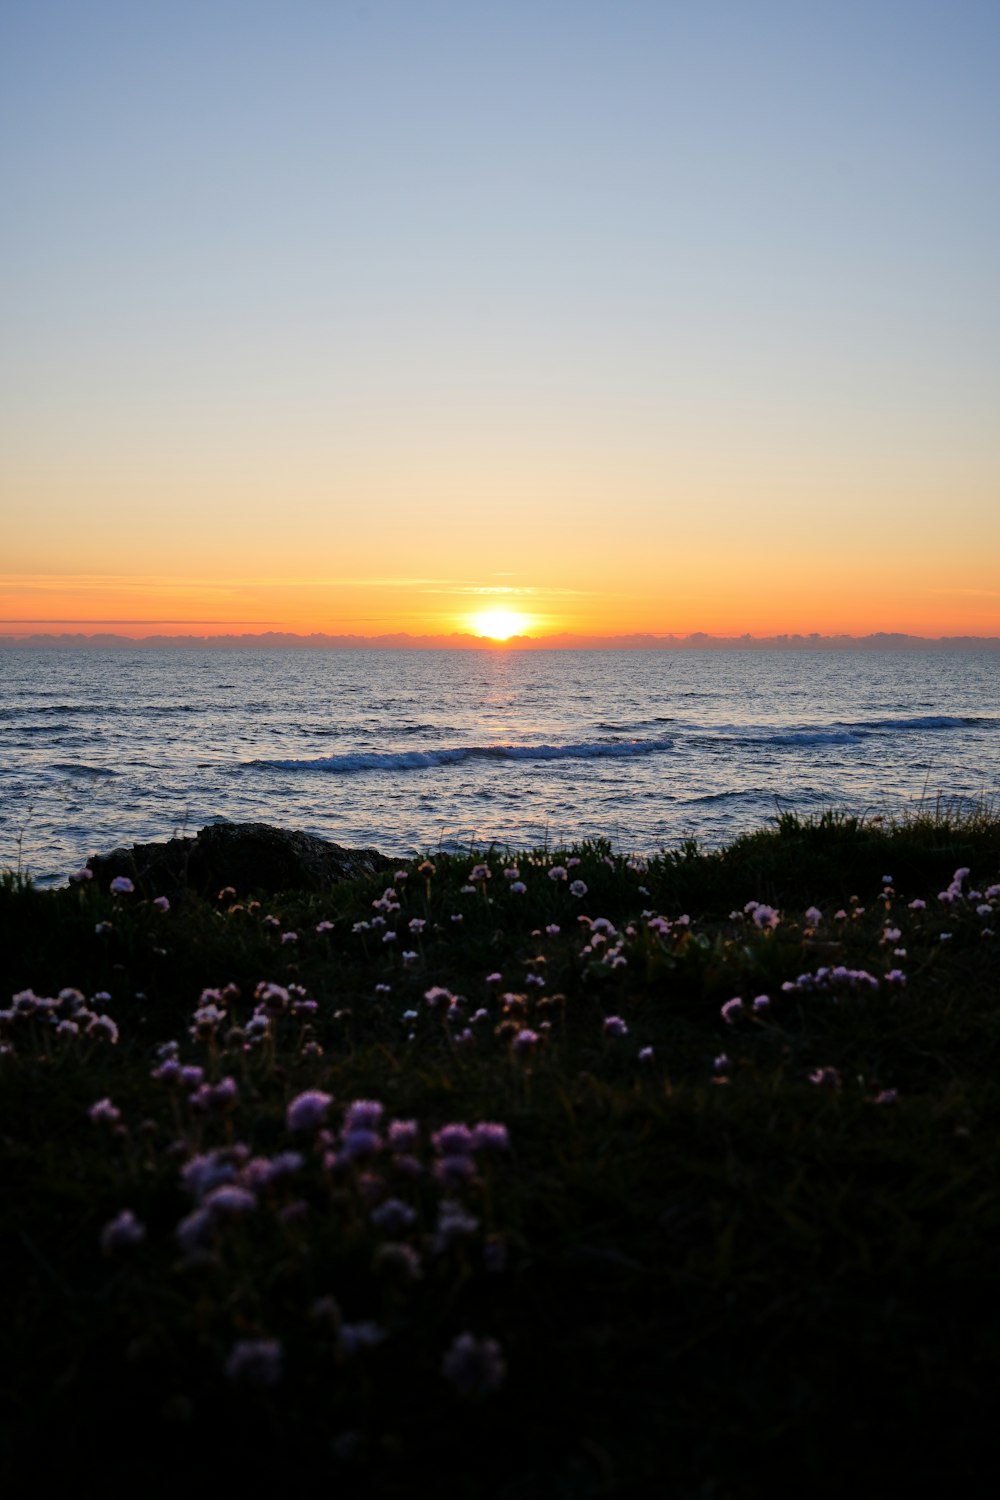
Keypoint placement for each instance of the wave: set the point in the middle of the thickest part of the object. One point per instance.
(840, 732)
(924, 721)
(759, 734)
(414, 760)
(78, 770)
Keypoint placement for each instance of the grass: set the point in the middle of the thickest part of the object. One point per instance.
(764, 1252)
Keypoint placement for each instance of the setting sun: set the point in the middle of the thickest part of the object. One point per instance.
(500, 624)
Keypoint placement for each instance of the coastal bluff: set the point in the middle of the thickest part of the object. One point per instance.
(250, 857)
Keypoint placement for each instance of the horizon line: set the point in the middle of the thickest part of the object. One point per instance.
(465, 640)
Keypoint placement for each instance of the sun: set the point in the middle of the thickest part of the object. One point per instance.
(500, 624)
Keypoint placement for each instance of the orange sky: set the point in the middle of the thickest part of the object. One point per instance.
(404, 313)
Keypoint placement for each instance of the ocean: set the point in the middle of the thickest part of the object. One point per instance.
(413, 751)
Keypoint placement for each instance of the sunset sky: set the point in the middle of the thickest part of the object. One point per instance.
(369, 317)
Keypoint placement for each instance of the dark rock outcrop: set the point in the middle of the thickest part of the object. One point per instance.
(250, 857)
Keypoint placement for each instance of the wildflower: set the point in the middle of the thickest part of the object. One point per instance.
(761, 1002)
(887, 1096)
(358, 1143)
(394, 1216)
(519, 888)
(474, 1366)
(453, 1140)
(896, 977)
(121, 886)
(490, 1135)
(272, 998)
(289, 937)
(828, 1078)
(215, 1095)
(356, 1336)
(480, 873)
(918, 905)
(721, 1063)
(104, 1113)
(765, 916)
(205, 1022)
(363, 1114)
(552, 929)
(813, 916)
(196, 1231)
(121, 1232)
(403, 1135)
(454, 1172)
(100, 928)
(557, 872)
(437, 994)
(308, 1111)
(395, 1258)
(161, 903)
(645, 1054)
(324, 926)
(577, 888)
(511, 873)
(79, 876)
(230, 1198)
(732, 1009)
(104, 1028)
(524, 1041)
(255, 1362)
(615, 1026)
(454, 1223)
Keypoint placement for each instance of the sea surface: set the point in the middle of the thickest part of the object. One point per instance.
(412, 751)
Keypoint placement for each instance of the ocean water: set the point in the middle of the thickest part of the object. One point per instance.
(411, 751)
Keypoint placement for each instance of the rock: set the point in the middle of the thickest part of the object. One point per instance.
(250, 857)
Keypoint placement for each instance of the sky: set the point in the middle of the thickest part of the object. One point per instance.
(388, 316)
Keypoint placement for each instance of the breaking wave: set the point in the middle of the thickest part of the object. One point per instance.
(414, 760)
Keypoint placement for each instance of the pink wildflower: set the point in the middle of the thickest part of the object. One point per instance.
(308, 1111)
(122, 1232)
(104, 1113)
(255, 1362)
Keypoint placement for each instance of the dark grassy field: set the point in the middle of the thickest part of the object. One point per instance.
(716, 1248)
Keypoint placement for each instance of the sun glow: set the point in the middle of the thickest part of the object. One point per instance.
(500, 624)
